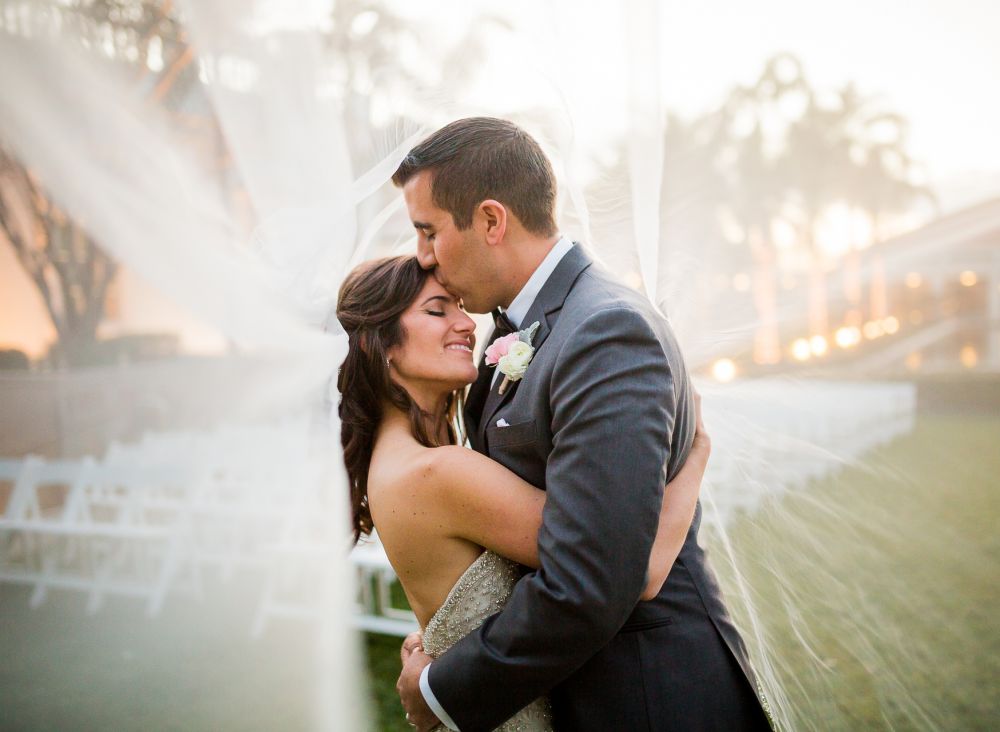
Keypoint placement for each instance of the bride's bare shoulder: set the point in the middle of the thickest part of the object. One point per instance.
(411, 470)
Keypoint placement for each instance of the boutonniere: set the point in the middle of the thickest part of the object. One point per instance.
(512, 354)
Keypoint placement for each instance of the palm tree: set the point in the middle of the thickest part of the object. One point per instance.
(840, 153)
(755, 116)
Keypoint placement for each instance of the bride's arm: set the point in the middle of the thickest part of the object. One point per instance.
(680, 498)
(484, 502)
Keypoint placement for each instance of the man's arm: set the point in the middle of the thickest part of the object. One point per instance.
(613, 406)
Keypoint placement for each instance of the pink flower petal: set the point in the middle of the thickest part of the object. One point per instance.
(499, 349)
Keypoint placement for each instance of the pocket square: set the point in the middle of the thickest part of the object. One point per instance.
(502, 422)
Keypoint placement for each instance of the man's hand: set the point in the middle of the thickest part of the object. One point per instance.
(418, 714)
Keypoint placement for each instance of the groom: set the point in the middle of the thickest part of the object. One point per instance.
(602, 419)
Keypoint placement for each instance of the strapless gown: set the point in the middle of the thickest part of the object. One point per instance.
(482, 590)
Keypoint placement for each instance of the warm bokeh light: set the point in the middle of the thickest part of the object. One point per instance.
(801, 351)
(784, 234)
(968, 278)
(819, 346)
(969, 356)
(724, 370)
(914, 361)
(913, 280)
(891, 325)
(841, 229)
(872, 329)
(847, 336)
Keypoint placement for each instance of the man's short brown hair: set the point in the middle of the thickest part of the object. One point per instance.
(479, 158)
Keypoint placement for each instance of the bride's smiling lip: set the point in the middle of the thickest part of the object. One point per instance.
(465, 343)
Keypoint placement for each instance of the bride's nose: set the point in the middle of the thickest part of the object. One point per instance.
(465, 324)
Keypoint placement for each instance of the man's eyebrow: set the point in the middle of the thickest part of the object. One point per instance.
(421, 225)
(435, 297)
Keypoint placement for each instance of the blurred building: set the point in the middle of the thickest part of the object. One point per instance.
(942, 282)
(924, 303)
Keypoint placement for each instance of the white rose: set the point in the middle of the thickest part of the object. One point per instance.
(515, 363)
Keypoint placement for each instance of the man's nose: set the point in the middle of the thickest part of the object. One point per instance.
(425, 254)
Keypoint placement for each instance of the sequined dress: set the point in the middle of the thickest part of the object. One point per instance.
(480, 592)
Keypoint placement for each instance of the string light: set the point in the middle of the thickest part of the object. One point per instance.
(724, 370)
(847, 337)
(872, 329)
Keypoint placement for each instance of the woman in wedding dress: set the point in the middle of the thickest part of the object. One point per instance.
(454, 523)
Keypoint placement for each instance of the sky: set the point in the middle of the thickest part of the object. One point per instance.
(936, 63)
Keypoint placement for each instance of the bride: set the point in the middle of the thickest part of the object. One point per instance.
(455, 524)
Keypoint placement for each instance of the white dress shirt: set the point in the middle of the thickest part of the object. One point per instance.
(526, 297)
(515, 313)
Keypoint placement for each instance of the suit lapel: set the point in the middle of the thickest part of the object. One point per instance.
(476, 398)
(544, 310)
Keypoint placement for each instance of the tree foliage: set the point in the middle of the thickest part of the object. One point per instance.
(70, 270)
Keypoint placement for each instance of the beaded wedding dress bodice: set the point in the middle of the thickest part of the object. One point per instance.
(480, 592)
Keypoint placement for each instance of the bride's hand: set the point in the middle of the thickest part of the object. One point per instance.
(418, 714)
(413, 642)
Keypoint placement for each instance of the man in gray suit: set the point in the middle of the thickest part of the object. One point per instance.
(602, 419)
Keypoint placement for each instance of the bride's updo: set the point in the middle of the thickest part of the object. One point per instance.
(371, 301)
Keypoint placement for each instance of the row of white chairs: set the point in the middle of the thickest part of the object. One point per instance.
(165, 514)
(153, 517)
(73, 524)
(776, 435)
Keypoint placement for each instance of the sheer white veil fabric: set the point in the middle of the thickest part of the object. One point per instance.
(313, 174)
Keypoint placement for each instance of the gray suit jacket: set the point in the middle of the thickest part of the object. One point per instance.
(602, 419)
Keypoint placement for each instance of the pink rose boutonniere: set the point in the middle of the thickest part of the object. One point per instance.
(512, 354)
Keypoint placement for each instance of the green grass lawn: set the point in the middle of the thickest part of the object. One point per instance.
(874, 590)
(383, 667)
(194, 667)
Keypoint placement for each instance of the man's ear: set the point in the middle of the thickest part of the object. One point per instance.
(493, 219)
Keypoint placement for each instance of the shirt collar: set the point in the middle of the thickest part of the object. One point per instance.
(522, 303)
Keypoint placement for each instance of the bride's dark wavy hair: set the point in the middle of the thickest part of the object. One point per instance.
(371, 301)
